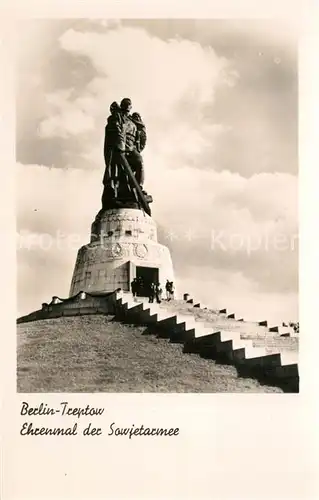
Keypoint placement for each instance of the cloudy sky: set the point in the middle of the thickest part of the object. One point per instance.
(219, 99)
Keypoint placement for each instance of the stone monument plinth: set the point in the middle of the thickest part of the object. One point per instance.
(123, 246)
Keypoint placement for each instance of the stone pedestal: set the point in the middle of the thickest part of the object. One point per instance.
(123, 245)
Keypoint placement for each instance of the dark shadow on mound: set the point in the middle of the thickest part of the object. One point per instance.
(288, 385)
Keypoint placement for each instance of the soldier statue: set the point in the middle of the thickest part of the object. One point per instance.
(125, 139)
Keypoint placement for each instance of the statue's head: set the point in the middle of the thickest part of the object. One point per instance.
(114, 107)
(137, 117)
(126, 105)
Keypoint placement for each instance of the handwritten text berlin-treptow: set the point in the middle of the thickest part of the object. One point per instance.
(63, 409)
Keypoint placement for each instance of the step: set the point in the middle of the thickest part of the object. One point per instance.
(209, 340)
(132, 312)
(189, 321)
(234, 344)
(131, 302)
(166, 318)
(179, 334)
(222, 344)
(281, 330)
(132, 308)
(177, 327)
(146, 317)
(277, 368)
(260, 357)
(203, 331)
(289, 344)
(234, 325)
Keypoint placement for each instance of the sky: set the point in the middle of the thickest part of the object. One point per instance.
(220, 102)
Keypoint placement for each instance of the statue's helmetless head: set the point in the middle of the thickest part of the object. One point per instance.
(137, 117)
(126, 104)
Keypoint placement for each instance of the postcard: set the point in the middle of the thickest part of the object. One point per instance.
(157, 328)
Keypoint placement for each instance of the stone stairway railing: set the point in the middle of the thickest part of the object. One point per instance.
(219, 340)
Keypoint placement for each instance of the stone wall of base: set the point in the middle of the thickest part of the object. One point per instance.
(97, 270)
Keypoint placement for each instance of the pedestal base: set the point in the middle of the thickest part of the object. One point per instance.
(123, 246)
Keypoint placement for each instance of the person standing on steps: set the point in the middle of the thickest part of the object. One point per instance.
(172, 291)
(151, 293)
(158, 293)
(134, 287)
(167, 289)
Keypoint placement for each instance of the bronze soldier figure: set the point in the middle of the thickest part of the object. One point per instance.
(125, 138)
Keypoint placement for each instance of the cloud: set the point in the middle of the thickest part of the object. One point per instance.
(54, 214)
(50, 199)
(68, 122)
(226, 289)
(171, 82)
(171, 69)
(109, 23)
(238, 224)
(65, 118)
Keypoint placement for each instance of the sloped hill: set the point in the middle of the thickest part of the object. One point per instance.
(96, 354)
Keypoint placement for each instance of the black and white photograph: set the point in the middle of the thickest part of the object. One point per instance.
(159, 250)
(157, 206)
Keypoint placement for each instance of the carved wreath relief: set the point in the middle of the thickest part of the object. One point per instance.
(140, 251)
(116, 250)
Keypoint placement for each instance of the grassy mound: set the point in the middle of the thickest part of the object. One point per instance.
(97, 354)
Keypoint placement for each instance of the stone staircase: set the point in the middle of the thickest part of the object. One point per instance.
(255, 349)
(267, 353)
